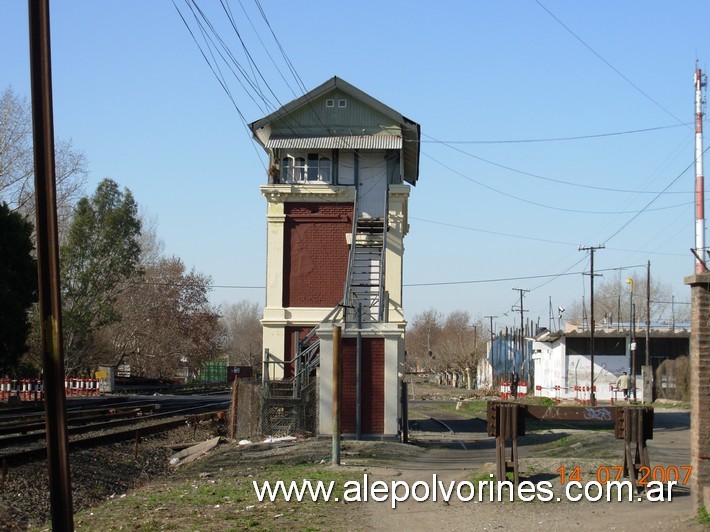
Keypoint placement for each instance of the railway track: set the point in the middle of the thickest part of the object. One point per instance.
(22, 432)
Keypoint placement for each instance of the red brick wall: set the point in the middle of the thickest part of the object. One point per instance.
(372, 409)
(315, 253)
(699, 386)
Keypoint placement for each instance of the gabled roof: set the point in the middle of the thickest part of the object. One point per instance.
(410, 130)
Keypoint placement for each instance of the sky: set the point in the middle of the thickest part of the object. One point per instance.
(546, 125)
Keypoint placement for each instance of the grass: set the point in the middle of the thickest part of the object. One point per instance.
(223, 500)
(661, 405)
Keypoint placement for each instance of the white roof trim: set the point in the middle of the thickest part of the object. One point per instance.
(362, 142)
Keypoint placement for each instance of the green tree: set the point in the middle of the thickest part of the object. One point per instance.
(99, 258)
(18, 286)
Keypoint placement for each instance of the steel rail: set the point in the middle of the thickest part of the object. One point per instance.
(36, 453)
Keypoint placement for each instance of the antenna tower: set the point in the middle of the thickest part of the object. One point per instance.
(700, 82)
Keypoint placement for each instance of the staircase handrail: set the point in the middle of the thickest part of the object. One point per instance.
(351, 254)
(383, 255)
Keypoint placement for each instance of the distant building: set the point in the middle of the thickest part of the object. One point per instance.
(340, 168)
(561, 359)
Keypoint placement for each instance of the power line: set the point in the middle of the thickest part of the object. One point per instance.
(607, 63)
(536, 239)
(521, 278)
(653, 199)
(551, 207)
(544, 178)
(551, 139)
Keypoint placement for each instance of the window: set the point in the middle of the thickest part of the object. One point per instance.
(286, 170)
(342, 103)
(314, 167)
(330, 102)
(299, 169)
(324, 169)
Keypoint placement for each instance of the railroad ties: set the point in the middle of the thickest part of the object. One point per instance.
(634, 425)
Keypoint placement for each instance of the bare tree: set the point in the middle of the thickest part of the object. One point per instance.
(243, 333)
(421, 340)
(17, 162)
(152, 247)
(613, 301)
(167, 323)
(448, 345)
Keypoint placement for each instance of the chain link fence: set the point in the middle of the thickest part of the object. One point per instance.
(282, 414)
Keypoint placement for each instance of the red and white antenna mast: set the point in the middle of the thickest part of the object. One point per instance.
(700, 267)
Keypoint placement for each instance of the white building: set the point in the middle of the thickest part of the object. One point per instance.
(562, 365)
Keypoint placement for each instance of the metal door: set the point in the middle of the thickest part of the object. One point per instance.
(372, 184)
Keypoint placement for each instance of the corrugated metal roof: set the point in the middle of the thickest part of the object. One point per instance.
(361, 142)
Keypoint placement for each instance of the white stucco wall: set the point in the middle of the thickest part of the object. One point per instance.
(554, 368)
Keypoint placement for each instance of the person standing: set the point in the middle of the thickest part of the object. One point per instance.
(623, 383)
(514, 380)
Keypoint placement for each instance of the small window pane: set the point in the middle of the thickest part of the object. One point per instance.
(286, 169)
(324, 169)
(312, 167)
(299, 169)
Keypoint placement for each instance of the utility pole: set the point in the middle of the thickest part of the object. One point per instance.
(50, 304)
(493, 359)
(591, 249)
(522, 328)
(648, 313)
(699, 251)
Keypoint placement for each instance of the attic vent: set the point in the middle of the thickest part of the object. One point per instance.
(342, 103)
(330, 103)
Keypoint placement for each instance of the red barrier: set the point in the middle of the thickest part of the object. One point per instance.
(504, 390)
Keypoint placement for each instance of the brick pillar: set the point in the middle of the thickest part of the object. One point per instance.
(699, 386)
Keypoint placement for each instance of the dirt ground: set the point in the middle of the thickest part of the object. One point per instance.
(215, 493)
(465, 452)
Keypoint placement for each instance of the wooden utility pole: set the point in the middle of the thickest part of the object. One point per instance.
(648, 313)
(522, 333)
(493, 359)
(50, 305)
(591, 249)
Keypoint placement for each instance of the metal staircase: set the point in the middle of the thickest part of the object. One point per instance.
(366, 270)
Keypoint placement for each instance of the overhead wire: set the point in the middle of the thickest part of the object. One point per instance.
(544, 178)
(518, 278)
(551, 207)
(607, 63)
(551, 139)
(245, 78)
(645, 209)
(266, 50)
(248, 53)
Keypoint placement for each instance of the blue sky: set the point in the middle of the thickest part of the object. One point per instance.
(498, 202)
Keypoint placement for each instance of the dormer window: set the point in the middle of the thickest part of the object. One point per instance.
(301, 168)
